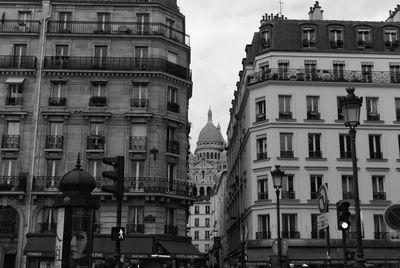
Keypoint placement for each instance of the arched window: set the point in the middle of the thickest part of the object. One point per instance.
(201, 191)
(8, 222)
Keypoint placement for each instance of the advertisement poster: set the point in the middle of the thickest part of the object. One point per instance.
(59, 237)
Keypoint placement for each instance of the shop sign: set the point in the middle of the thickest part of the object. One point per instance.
(34, 254)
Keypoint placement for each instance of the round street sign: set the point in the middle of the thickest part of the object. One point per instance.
(323, 201)
(392, 216)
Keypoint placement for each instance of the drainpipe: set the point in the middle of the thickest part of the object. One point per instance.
(28, 208)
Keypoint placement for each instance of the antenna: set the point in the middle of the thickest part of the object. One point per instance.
(280, 6)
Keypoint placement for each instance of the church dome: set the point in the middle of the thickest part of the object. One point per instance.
(210, 133)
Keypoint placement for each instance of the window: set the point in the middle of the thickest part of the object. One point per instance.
(24, 18)
(135, 219)
(139, 95)
(207, 209)
(170, 28)
(372, 109)
(286, 145)
(103, 23)
(64, 22)
(207, 222)
(315, 233)
(8, 168)
(283, 66)
(96, 137)
(143, 23)
(260, 110)
(266, 38)
(172, 100)
(137, 169)
(394, 72)
(14, 94)
(196, 222)
(262, 187)
(288, 187)
(309, 37)
(380, 229)
(98, 94)
(263, 231)
(336, 38)
(57, 93)
(206, 247)
(315, 183)
(339, 100)
(47, 220)
(196, 210)
(347, 187)
(138, 138)
(171, 175)
(375, 146)
(207, 234)
(261, 147)
(314, 145)
(8, 221)
(196, 234)
(95, 168)
(284, 107)
(364, 38)
(172, 143)
(172, 57)
(366, 72)
(390, 38)
(170, 227)
(289, 226)
(19, 56)
(345, 146)
(378, 190)
(55, 138)
(100, 57)
(310, 67)
(11, 138)
(265, 71)
(61, 58)
(313, 108)
(338, 70)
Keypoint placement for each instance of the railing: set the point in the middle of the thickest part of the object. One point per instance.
(95, 142)
(139, 103)
(375, 155)
(118, 28)
(345, 154)
(173, 147)
(46, 183)
(290, 234)
(10, 141)
(54, 142)
(19, 26)
(262, 155)
(262, 195)
(348, 195)
(171, 229)
(313, 195)
(137, 144)
(381, 235)
(57, 101)
(285, 115)
(263, 235)
(315, 154)
(173, 107)
(260, 117)
(318, 234)
(287, 154)
(17, 62)
(373, 117)
(134, 228)
(12, 183)
(313, 115)
(45, 227)
(379, 195)
(98, 101)
(324, 75)
(288, 194)
(14, 101)
(116, 64)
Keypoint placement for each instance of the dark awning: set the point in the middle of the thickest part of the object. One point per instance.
(131, 247)
(181, 249)
(40, 246)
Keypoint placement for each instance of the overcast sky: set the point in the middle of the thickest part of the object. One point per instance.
(219, 31)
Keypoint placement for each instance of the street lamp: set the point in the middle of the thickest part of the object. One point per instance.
(277, 176)
(351, 106)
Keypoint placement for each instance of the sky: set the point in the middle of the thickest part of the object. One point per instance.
(219, 31)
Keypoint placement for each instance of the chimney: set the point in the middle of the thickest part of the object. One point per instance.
(394, 16)
(316, 12)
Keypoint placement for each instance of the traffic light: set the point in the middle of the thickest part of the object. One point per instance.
(117, 175)
(350, 254)
(343, 215)
(117, 233)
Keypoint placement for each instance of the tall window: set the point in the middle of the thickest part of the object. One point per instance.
(266, 38)
(100, 57)
(261, 147)
(138, 138)
(390, 38)
(98, 94)
(172, 143)
(47, 220)
(141, 55)
(314, 145)
(378, 189)
(288, 187)
(55, 138)
(58, 93)
(196, 235)
(172, 99)
(196, 222)
(335, 38)
(289, 226)
(170, 28)
(172, 57)
(207, 222)
(345, 145)
(310, 67)
(364, 38)
(171, 175)
(95, 168)
(286, 145)
(313, 107)
(284, 107)
(170, 216)
(20, 51)
(338, 70)
(375, 146)
(260, 109)
(96, 137)
(61, 58)
(315, 233)
(103, 22)
(207, 209)
(143, 23)
(380, 229)
(283, 66)
(264, 231)
(309, 37)
(347, 187)
(8, 167)
(366, 72)
(135, 219)
(394, 72)
(207, 234)
(24, 17)
(315, 183)
(11, 139)
(196, 209)
(339, 107)
(64, 21)
(262, 187)
(372, 109)
(139, 95)
(8, 221)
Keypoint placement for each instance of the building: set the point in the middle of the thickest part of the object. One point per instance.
(205, 168)
(286, 112)
(102, 78)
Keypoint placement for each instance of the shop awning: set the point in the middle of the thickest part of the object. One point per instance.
(40, 246)
(181, 249)
(14, 80)
(131, 247)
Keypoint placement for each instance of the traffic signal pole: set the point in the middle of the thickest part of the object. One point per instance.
(118, 241)
(344, 248)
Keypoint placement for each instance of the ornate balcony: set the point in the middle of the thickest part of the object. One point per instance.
(139, 103)
(17, 62)
(15, 101)
(95, 142)
(173, 147)
(348, 195)
(285, 115)
(288, 194)
(263, 235)
(134, 228)
(173, 107)
(98, 101)
(137, 144)
(379, 195)
(381, 235)
(153, 185)
(315, 154)
(54, 142)
(116, 64)
(57, 101)
(262, 155)
(10, 142)
(312, 115)
(290, 234)
(345, 154)
(12, 183)
(262, 195)
(118, 28)
(46, 183)
(20, 26)
(287, 154)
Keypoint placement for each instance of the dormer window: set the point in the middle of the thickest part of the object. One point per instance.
(390, 38)
(309, 37)
(335, 38)
(364, 38)
(266, 38)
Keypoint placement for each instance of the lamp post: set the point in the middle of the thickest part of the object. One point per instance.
(351, 106)
(277, 176)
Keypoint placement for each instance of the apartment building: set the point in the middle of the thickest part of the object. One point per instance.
(100, 78)
(286, 112)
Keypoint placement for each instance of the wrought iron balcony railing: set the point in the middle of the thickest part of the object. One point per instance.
(10, 141)
(134, 228)
(379, 195)
(95, 142)
(288, 194)
(139, 103)
(17, 62)
(19, 26)
(15, 101)
(173, 147)
(318, 234)
(118, 28)
(348, 195)
(375, 155)
(116, 64)
(171, 229)
(98, 101)
(313, 195)
(263, 235)
(12, 183)
(173, 107)
(285, 115)
(57, 101)
(373, 117)
(311, 115)
(345, 154)
(290, 234)
(262, 195)
(260, 117)
(54, 142)
(262, 155)
(315, 154)
(324, 75)
(287, 154)
(137, 144)
(46, 183)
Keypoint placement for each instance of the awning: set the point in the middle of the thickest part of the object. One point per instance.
(40, 246)
(14, 80)
(181, 249)
(131, 247)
